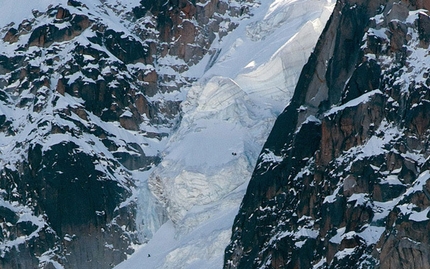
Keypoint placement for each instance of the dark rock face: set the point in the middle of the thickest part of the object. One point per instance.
(181, 37)
(45, 35)
(81, 105)
(79, 203)
(356, 196)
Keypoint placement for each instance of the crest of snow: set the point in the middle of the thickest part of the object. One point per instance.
(371, 234)
(270, 161)
(420, 216)
(23, 9)
(415, 157)
(320, 263)
(413, 15)
(392, 180)
(381, 33)
(382, 209)
(374, 146)
(306, 232)
(337, 238)
(344, 253)
(269, 157)
(309, 119)
(419, 183)
(25, 214)
(354, 102)
(406, 209)
(47, 257)
(332, 198)
(359, 198)
(378, 18)
(127, 114)
(280, 235)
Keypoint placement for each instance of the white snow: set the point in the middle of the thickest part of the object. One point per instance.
(227, 116)
(354, 102)
(332, 198)
(344, 253)
(392, 180)
(371, 234)
(269, 156)
(22, 9)
(359, 198)
(420, 216)
(337, 238)
(24, 214)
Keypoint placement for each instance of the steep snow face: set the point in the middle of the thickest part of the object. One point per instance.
(227, 115)
(226, 118)
(209, 155)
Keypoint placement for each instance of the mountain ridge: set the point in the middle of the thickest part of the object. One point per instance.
(87, 101)
(341, 201)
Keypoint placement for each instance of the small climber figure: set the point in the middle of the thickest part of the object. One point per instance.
(234, 153)
(149, 255)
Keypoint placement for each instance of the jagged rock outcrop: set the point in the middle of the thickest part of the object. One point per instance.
(87, 94)
(187, 28)
(349, 184)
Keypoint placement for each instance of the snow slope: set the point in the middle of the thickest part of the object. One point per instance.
(227, 116)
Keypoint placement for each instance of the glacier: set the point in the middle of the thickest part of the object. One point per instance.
(186, 204)
(226, 118)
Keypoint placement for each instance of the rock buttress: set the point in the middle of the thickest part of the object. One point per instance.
(348, 187)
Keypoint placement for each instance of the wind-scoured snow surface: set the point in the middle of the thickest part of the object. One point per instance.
(227, 116)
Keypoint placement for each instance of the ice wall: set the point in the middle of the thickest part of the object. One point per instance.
(227, 116)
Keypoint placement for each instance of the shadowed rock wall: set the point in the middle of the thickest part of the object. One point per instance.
(351, 189)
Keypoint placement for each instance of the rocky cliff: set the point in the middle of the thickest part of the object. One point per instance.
(226, 118)
(88, 92)
(342, 181)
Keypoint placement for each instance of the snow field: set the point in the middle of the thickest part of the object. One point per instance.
(227, 116)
